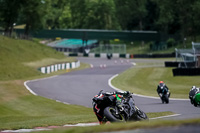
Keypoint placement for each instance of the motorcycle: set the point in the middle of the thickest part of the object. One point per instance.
(128, 112)
(164, 95)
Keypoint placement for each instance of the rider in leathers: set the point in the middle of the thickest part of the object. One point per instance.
(159, 90)
(109, 97)
(194, 96)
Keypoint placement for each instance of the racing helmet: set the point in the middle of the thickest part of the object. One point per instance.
(161, 83)
(193, 87)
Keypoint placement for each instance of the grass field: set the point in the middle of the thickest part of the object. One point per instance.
(144, 80)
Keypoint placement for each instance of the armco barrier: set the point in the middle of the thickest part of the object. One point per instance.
(61, 66)
(154, 55)
(117, 55)
(73, 54)
(180, 64)
(122, 55)
(100, 55)
(97, 55)
(171, 63)
(85, 55)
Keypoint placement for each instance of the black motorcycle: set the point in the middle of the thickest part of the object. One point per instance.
(128, 112)
(164, 95)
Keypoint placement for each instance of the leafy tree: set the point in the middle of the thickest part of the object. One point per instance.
(9, 12)
(170, 17)
(167, 14)
(123, 12)
(58, 14)
(151, 16)
(184, 12)
(65, 18)
(178, 16)
(33, 14)
(189, 17)
(78, 10)
(195, 19)
(131, 13)
(93, 14)
(100, 15)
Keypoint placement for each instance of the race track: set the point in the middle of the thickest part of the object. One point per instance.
(79, 87)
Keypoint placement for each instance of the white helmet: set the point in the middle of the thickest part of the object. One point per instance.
(193, 87)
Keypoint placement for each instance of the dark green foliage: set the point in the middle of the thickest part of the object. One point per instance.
(170, 17)
(171, 42)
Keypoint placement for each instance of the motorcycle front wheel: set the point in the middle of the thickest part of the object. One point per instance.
(110, 114)
(141, 115)
(166, 99)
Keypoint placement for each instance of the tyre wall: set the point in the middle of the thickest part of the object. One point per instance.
(186, 71)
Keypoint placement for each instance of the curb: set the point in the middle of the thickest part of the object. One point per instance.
(100, 55)
(61, 66)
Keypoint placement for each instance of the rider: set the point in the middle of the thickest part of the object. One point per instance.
(194, 96)
(159, 88)
(108, 97)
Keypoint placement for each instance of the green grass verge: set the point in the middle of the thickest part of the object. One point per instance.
(144, 80)
(34, 111)
(125, 126)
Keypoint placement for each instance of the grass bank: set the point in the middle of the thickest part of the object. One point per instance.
(144, 78)
(19, 60)
(126, 126)
(14, 53)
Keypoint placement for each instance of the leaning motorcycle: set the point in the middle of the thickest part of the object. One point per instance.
(129, 111)
(164, 95)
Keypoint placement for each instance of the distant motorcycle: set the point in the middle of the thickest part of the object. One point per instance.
(109, 56)
(129, 111)
(164, 95)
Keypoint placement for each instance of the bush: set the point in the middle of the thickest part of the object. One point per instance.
(171, 42)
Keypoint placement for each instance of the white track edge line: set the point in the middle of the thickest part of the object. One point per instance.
(29, 89)
(164, 116)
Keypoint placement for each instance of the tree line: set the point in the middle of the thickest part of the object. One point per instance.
(170, 16)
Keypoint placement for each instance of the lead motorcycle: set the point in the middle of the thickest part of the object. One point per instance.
(129, 111)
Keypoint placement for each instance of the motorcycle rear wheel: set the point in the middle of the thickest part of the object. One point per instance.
(110, 114)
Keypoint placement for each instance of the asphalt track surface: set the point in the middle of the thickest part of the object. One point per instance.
(79, 87)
